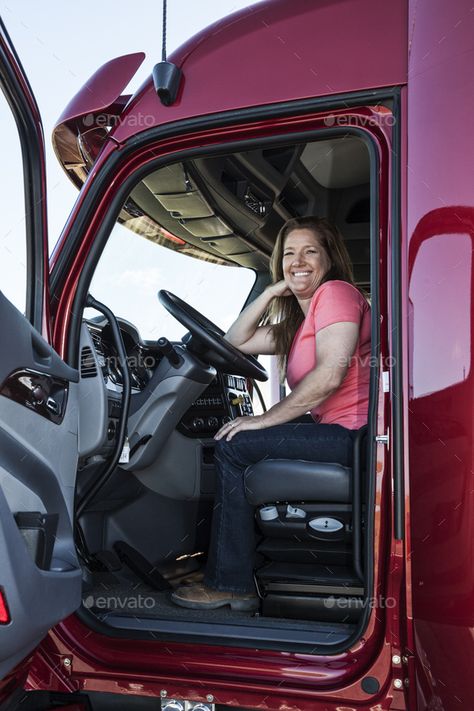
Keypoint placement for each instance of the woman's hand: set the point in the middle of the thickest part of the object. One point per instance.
(280, 288)
(230, 429)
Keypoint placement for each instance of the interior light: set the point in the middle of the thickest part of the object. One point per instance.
(171, 237)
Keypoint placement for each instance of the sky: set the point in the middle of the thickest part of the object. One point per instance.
(61, 44)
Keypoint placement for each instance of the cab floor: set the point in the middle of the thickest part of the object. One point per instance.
(108, 600)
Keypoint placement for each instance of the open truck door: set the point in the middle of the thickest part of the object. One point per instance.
(40, 579)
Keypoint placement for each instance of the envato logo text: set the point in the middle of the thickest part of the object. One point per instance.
(138, 120)
(360, 121)
(370, 361)
(112, 363)
(113, 602)
(379, 602)
(134, 362)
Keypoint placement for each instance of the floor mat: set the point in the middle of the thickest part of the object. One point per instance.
(141, 601)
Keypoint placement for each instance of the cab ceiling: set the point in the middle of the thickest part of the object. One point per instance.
(229, 208)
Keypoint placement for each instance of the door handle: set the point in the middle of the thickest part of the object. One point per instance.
(52, 405)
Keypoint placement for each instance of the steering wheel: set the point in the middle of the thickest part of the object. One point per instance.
(218, 351)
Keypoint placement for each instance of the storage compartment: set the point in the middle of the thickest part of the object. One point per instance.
(186, 205)
(310, 591)
(316, 607)
(310, 551)
(308, 573)
(39, 532)
(206, 227)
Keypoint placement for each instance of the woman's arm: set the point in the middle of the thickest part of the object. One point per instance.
(335, 346)
(245, 333)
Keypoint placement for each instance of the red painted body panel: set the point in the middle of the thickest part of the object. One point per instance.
(82, 129)
(103, 88)
(248, 677)
(280, 51)
(441, 232)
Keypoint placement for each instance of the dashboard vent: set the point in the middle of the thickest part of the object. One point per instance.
(88, 366)
(96, 340)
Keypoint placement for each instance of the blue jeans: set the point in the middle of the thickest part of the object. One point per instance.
(231, 554)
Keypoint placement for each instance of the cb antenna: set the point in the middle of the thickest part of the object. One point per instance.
(163, 46)
(166, 75)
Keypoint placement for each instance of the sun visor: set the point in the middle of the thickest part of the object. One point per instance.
(185, 205)
(208, 227)
(170, 179)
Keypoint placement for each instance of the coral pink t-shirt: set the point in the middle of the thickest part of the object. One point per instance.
(333, 302)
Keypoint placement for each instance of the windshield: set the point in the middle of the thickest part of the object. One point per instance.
(132, 270)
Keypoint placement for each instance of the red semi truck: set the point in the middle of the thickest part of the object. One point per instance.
(355, 110)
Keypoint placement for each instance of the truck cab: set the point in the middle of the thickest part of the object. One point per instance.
(117, 377)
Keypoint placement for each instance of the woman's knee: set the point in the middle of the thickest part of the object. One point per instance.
(224, 451)
(230, 454)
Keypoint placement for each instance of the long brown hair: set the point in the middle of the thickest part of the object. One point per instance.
(284, 311)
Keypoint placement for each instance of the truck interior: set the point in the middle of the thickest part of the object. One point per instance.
(143, 523)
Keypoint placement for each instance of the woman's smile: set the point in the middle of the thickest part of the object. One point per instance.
(305, 262)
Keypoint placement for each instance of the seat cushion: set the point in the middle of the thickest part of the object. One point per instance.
(296, 480)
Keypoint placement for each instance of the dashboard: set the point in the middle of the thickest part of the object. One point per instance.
(142, 357)
(197, 411)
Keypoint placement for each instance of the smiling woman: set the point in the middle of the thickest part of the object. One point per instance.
(332, 327)
(220, 230)
(305, 261)
(301, 259)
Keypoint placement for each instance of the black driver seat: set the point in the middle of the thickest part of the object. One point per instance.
(310, 516)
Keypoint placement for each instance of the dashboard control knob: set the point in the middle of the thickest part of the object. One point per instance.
(111, 430)
(198, 423)
(212, 423)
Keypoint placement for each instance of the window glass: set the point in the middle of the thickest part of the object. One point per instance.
(132, 270)
(12, 230)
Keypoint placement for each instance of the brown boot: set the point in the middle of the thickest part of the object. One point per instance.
(200, 597)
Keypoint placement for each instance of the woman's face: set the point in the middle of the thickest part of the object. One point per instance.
(305, 262)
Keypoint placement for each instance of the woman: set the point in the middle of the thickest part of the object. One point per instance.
(322, 338)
